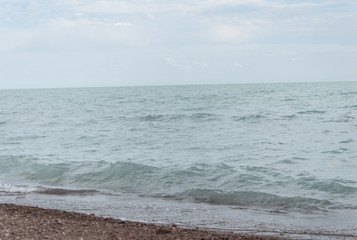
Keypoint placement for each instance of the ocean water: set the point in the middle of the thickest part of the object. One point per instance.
(239, 157)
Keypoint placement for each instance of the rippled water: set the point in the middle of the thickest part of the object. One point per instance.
(278, 147)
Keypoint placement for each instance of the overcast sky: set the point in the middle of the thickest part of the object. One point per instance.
(82, 43)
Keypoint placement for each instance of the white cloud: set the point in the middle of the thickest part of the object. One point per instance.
(238, 65)
(150, 16)
(188, 65)
(122, 24)
(235, 2)
(174, 63)
(200, 64)
(236, 33)
(204, 39)
(266, 4)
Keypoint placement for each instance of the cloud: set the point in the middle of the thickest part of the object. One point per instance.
(238, 65)
(122, 24)
(267, 3)
(236, 33)
(191, 65)
(203, 39)
(200, 64)
(174, 63)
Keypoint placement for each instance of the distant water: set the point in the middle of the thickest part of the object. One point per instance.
(288, 148)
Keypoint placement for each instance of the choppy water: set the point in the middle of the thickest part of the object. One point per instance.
(275, 147)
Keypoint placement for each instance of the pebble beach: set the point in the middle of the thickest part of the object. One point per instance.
(23, 222)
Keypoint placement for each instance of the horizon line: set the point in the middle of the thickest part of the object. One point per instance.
(172, 85)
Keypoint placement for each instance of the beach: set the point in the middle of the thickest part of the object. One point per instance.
(24, 222)
(253, 159)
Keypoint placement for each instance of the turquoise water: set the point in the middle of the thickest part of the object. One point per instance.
(275, 147)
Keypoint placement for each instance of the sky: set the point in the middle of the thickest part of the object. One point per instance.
(92, 43)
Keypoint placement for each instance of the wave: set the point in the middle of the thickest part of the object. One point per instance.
(256, 199)
(250, 118)
(203, 116)
(124, 174)
(288, 99)
(289, 117)
(241, 199)
(350, 106)
(344, 119)
(199, 116)
(349, 93)
(202, 182)
(347, 141)
(151, 117)
(330, 186)
(9, 188)
(62, 191)
(312, 112)
(23, 189)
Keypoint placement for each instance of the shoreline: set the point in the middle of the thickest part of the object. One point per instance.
(25, 222)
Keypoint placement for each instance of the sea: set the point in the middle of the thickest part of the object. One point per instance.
(270, 159)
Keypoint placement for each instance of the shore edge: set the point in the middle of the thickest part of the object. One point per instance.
(25, 222)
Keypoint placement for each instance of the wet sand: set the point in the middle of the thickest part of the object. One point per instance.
(22, 222)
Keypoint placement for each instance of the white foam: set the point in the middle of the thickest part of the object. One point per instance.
(8, 188)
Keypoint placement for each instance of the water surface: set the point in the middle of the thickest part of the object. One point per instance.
(284, 153)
